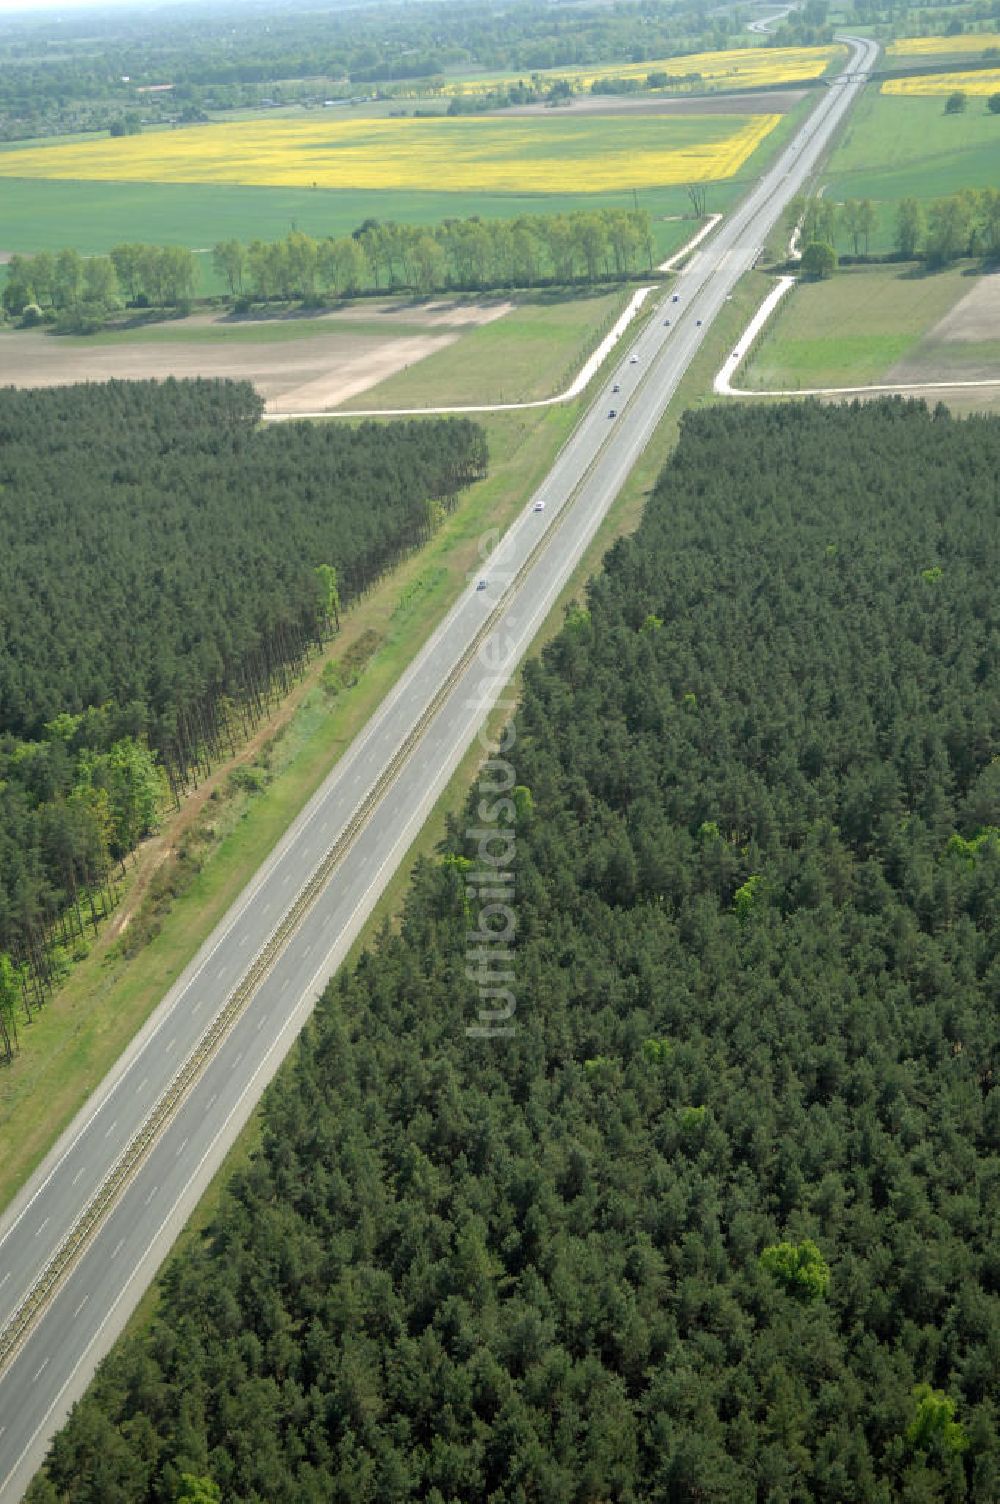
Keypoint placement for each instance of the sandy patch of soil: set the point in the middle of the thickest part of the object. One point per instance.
(295, 375)
(347, 374)
(774, 102)
(461, 313)
(976, 317)
(964, 345)
(312, 372)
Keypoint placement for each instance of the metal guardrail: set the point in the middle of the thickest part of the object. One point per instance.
(114, 1183)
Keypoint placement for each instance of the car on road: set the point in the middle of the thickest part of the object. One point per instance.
(633, 360)
(539, 506)
(613, 413)
(698, 322)
(481, 585)
(666, 321)
(676, 298)
(616, 387)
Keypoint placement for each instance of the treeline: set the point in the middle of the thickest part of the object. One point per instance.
(459, 254)
(962, 224)
(544, 89)
(65, 76)
(72, 806)
(714, 1222)
(966, 223)
(806, 26)
(166, 565)
(78, 293)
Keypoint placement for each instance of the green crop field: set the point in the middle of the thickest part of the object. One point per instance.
(533, 351)
(47, 214)
(850, 330)
(897, 147)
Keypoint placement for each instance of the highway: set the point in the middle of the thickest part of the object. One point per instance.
(353, 834)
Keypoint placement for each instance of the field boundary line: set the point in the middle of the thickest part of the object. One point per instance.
(722, 385)
(115, 1182)
(588, 370)
(696, 239)
(592, 364)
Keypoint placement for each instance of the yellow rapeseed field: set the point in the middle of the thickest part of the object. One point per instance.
(981, 81)
(744, 66)
(970, 43)
(546, 154)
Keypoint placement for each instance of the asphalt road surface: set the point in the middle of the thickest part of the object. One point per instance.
(56, 1358)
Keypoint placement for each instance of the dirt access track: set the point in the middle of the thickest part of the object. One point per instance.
(321, 361)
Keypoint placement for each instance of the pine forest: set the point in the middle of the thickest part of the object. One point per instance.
(717, 1219)
(166, 565)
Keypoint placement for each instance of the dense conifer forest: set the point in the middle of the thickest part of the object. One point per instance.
(717, 1220)
(166, 563)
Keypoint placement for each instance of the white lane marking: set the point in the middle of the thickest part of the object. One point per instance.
(5, 1279)
(213, 1098)
(180, 1151)
(261, 1022)
(142, 1083)
(169, 1047)
(118, 1247)
(38, 1375)
(404, 682)
(80, 1306)
(267, 907)
(285, 983)
(42, 1226)
(111, 1130)
(238, 1059)
(152, 1194)
(221, 972)
(307, 951)
(196, 1006)
(76, 1177)
(286, 879)
(244, 939)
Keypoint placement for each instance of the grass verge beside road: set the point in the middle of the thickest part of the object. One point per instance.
(623, 518)
(79, 1035)
(534, 351)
